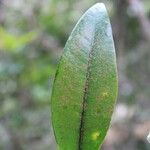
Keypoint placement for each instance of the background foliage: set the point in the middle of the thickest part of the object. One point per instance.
(32, 37)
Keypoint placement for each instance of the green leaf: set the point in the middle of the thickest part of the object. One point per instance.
(85, 86)
(12, 43)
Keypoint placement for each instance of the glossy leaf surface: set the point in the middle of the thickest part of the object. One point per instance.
(85, 86)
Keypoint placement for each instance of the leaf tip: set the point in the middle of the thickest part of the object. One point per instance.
(100, 6)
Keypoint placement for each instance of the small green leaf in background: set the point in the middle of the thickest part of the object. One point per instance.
(12, 43)
(85, 86)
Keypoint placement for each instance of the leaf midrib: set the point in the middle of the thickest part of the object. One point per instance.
(85, 93)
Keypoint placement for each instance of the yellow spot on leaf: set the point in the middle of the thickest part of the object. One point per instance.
(95, 135)
(105, 94)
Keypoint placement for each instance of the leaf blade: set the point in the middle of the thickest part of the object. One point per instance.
(88, 55)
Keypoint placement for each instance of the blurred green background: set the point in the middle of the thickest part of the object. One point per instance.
(32, 36)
